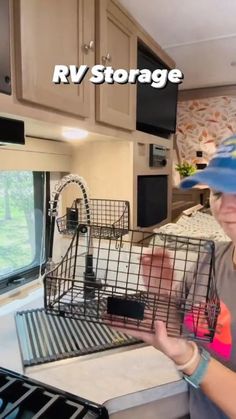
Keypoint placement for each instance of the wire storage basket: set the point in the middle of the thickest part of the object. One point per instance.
(134, 279)
(110, 218)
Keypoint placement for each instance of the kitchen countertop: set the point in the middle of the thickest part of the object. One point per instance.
(109, 376)
(98, 377)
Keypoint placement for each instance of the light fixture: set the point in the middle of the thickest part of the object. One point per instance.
(233, 63)
(74, 133)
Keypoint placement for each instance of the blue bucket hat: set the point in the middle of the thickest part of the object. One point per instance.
(220, 174)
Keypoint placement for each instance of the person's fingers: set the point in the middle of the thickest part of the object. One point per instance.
(157, 271)
(160, 331)
(170, 346)
(140, 329)
(158, 258)
(143, 326)
(144, 336)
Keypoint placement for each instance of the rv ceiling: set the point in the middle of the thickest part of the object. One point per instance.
(200, 36)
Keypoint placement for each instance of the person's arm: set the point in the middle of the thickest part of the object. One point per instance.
(218, 383)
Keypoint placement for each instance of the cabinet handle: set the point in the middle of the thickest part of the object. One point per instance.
(106, 58)
(89, 46)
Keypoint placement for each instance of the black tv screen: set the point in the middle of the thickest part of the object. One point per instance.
(156, 107)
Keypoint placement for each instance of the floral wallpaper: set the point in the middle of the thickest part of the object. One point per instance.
(202, 124)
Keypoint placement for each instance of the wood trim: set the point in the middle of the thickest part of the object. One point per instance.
(108, 11)
(206, 92)
(28, 88)
(176, 148)
(37, 154)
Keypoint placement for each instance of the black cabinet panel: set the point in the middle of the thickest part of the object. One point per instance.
(152, 199)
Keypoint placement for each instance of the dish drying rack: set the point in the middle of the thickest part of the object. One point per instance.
(133, 279)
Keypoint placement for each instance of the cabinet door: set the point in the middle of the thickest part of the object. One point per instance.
(50, 32)
(116, 47)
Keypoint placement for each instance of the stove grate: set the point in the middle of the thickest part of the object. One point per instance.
(24, 398)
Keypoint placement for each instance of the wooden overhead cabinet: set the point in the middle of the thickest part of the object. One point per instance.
(49, 33)
(116, 46)
(77, 32)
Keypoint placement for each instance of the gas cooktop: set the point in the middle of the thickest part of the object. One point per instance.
(23, 398)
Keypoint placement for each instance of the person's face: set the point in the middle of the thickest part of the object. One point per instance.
(223, 207)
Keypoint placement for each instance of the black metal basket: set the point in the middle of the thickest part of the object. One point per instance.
(131, 284)
(110, 218)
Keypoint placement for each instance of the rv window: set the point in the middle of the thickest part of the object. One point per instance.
(22, 226)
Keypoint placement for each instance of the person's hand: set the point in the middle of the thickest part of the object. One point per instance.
(157, 271)
(178, 349)
(158, 276)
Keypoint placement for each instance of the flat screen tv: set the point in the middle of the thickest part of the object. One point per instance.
(156, 107)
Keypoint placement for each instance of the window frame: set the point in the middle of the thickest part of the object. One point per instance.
(27, 274)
